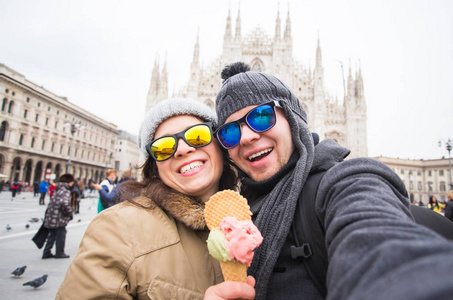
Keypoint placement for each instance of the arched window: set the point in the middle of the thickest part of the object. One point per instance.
(32, 142)
(257, 65)
(3, 129)
(5, 101)
(10, 107)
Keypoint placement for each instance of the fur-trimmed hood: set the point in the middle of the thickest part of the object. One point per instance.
(183, 208)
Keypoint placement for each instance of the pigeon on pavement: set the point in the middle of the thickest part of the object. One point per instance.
(34, 220)
(37, 282)
(19, 271)
(27, 226)
(8, 227)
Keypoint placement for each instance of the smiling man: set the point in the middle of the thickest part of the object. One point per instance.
(371, 236)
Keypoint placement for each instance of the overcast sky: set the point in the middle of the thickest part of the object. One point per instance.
(100, 54)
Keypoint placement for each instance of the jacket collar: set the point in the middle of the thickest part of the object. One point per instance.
(183, 208)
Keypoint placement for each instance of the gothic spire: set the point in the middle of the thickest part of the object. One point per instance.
(359, 83)
(164, 69)
(278, 26)
(228, 27)
(350, 81)
(155, 73)
(360, 70)
(288, 27)
(196, 51)
(238, 36)
(163, 87)
(318, 55)
(153, 92)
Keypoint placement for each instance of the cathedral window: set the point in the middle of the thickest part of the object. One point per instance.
(10, 107)
(21, 139)
(5, 102)
(25, 113)
(32, 142)
(257, 65)
(3, 128)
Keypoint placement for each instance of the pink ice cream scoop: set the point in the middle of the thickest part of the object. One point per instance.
(243, 237)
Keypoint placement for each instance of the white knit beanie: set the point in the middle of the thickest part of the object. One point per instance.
(167, 109)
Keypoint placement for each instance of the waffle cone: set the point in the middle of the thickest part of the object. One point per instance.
(223, 204)
(234, 270)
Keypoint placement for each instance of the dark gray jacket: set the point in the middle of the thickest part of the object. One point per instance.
(375, 249)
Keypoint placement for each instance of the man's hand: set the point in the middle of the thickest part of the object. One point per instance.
(231, 290)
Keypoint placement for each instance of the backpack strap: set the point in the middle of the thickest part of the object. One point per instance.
(308, 231)
(433, 221)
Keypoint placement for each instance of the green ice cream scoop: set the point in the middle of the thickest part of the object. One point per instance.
(216, 245)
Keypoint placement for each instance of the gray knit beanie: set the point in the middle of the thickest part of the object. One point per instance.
(167, 109)
(242, 88)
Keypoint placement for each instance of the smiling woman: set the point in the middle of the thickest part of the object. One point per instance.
(153, 243)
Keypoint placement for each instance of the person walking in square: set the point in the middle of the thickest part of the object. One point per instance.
(57, 216)
(43, 188)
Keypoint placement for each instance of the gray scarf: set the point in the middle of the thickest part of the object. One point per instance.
(278, 207)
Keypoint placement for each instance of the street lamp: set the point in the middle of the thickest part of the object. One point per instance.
(74, 126)
(448, 146)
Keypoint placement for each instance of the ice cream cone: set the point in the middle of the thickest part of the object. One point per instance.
(220, 206)
(234, 270)
(223, 204)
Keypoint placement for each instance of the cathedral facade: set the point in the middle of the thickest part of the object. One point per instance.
(344, 121)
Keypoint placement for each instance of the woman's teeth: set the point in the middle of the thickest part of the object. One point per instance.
(257, 154)
(191, 166)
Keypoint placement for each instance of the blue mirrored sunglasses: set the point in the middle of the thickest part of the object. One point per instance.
(259, 119)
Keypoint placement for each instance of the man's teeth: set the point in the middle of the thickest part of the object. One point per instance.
(260, 153)
(191, 166)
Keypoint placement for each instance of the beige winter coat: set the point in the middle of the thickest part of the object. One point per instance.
(129, 252)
